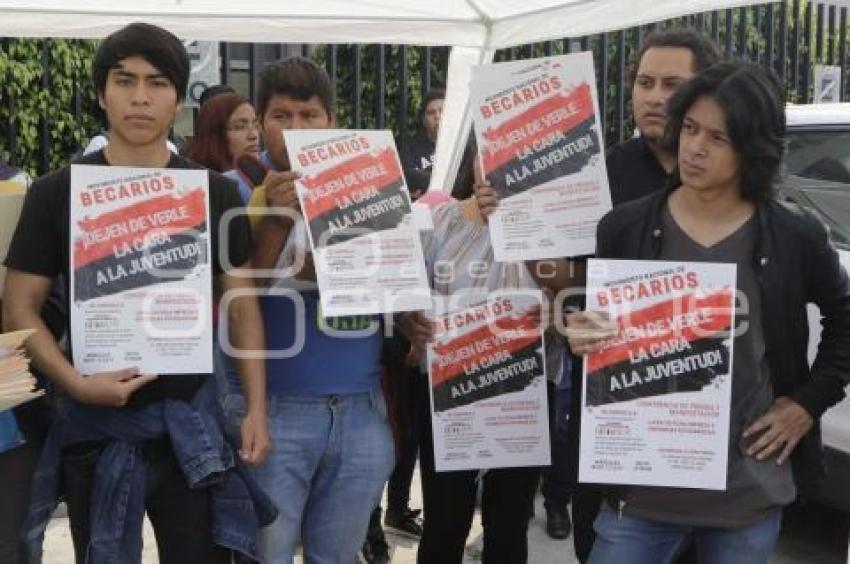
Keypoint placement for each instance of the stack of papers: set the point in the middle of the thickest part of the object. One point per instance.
(17, 385)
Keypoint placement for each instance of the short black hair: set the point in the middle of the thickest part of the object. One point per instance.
(156, 45)
(430, 96)
(296, 77)
(752, 99)
(704, 51)
(214, 90)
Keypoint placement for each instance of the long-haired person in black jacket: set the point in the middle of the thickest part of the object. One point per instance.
(727, 126)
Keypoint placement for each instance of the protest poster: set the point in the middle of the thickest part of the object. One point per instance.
(541, 148)
(487, 377)
(141, 279)
(356, 206)
(656, 398)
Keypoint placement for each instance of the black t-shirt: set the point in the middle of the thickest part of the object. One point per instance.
(417, 160)
(41, 245)
(633, 171)
(754, 488)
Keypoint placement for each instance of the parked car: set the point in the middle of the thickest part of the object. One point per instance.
(818, 167)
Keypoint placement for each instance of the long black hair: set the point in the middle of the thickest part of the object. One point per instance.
(752, 99)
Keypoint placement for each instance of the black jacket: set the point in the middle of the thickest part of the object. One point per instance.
(633, 171)
(796, 265)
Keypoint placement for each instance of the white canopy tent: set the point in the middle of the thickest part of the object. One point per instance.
(474, 28)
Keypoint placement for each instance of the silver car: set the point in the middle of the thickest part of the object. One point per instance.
(818, 168)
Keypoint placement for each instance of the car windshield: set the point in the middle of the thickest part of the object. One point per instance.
(819, 177)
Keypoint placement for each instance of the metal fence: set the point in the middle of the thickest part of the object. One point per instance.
(381, 86)
(788, 36)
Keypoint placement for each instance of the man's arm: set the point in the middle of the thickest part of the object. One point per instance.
(23, 297)
(271, 230)
(828, 287)
(269, 237)
(419, 331)
(791, 417)
(246, 334)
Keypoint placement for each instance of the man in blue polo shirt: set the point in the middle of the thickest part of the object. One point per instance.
(333, 449)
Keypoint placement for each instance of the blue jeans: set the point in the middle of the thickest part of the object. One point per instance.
(640, 541)
(10, 435)
(330, 458)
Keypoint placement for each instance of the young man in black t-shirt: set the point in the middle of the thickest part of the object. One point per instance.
(140, 75)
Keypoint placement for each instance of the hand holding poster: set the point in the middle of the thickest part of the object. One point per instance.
(487, 375)
(141, 281)
(368, 256)
(656, 398)
(537, 127)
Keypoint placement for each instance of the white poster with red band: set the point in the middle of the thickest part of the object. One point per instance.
(141, 276)
(541, 148)
(367, 252)
(656, 397)
(487, 375)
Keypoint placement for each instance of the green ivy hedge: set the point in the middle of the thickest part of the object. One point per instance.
(63, 97)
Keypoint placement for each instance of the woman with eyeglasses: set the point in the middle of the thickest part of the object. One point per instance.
(226, 128)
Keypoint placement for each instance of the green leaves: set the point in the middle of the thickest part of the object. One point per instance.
(370, 77)
(31, 99)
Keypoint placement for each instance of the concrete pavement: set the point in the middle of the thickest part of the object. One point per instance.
(542, 549)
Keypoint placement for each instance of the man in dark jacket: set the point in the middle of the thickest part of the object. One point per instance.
(637, 167)
(727, 127)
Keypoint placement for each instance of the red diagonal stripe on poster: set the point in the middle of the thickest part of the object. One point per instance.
(719, 304)
(528, 325)
(165, 214)
(563, 111)
(348, 178)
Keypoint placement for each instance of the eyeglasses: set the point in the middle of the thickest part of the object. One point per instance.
(243, 125)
